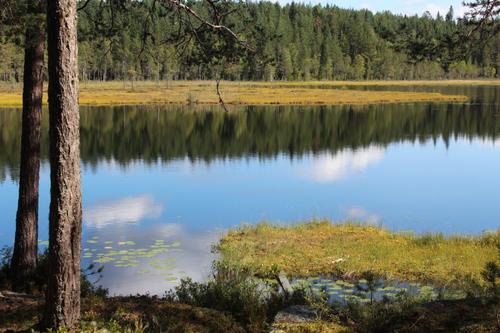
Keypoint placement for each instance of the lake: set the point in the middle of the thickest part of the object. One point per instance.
(161, 184)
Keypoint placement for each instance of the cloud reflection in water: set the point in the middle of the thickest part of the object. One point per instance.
(330, 168)
(123, 211)
(161, 272)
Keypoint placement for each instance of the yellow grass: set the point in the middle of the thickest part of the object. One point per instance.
(245, 93)
(320, 248)
(380, 83)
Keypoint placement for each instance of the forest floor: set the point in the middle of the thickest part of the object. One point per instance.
(141, 314)
(94, 93)
(320, 248)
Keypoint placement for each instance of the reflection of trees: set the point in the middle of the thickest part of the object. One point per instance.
(125, 134)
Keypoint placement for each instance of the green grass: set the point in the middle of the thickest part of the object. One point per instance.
(348, 250)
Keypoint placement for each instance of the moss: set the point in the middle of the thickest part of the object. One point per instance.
(348, 250)
(239, 93)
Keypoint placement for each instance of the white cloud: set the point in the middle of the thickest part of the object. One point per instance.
(123, 211)
(331, 168)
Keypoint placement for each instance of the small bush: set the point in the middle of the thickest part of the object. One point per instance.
(250, 301)
(5, 256)
(36, 284)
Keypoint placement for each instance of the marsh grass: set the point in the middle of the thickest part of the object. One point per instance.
(321, 248)
(246, 93)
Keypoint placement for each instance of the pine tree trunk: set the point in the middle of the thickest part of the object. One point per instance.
(24, 258)
(62, 306)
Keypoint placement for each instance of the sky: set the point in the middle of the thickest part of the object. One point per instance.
(409, 7)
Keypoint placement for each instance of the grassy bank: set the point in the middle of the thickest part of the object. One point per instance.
(320, 248)
(245, 93)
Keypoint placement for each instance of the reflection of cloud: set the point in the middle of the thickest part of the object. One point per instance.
(330, 168)
(361, 214)
(193, 258)
(128, 210)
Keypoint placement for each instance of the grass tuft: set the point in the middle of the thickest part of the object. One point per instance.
(347, 250)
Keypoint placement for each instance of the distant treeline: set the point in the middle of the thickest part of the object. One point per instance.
(290, 42)
(164, 133)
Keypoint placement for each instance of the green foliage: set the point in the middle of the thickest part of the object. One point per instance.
(385, 316)
(36, 283)
(289, 42)
(5, 256)
(491, 276)
(407, 313)
(233, 290)
(373, 282)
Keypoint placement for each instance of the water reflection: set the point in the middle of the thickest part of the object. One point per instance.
(125, 135)
(155, 177)
(122, 211)
(158, 256)
(330, 168)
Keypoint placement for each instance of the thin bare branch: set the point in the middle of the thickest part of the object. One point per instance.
(217, 27)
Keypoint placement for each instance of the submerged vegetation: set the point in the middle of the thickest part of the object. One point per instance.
(239, 93)
(347, 250)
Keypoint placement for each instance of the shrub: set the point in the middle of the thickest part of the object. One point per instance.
(251, 302)
(37, 282)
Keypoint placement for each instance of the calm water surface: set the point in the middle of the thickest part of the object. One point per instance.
(161, 184)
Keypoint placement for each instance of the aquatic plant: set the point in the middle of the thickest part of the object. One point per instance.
(127, 254)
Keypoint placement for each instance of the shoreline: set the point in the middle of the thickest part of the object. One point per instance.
(236, 93)
(348, 250)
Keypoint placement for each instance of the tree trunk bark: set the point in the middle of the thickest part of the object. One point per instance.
(62, 307)
(24, 258)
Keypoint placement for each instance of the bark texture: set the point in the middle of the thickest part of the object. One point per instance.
(24, 258)
(62, 308)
